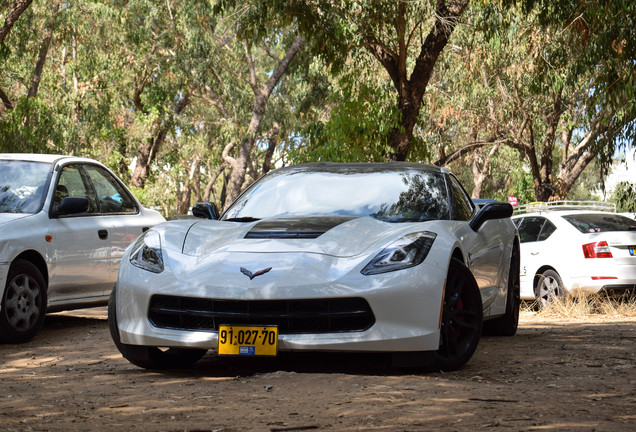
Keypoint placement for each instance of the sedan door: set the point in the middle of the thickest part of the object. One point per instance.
(535, 252)
(118, 209)
(79, 244)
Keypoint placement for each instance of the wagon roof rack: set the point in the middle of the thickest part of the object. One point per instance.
(565, 205)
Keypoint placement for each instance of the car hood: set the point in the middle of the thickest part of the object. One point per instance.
(339, 236)
(8, 217)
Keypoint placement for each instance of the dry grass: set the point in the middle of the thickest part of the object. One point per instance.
(580, 305)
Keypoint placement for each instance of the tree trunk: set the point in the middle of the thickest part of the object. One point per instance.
(411, 89)
(44, 51)
(273, 141)
(481, 169)
(190, 186)
(148, 151)
(262, 93)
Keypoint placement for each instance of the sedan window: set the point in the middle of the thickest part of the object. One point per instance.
(594, 223)
(72, 184)
(547, 230)
(111, 196)
(530, 229)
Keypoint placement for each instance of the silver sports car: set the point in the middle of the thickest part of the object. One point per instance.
(390, 257)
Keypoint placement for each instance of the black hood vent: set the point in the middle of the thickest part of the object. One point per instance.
(306, 227)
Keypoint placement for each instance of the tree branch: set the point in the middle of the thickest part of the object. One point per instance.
(5, 100)
(14, 13)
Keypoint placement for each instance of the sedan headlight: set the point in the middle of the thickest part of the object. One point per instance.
(146, 252)
(406, 252)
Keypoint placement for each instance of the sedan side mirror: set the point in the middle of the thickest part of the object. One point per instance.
(205, 210)
(492, 210)
(71, 206)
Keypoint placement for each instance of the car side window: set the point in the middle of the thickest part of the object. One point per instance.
(111, 196)
(461, 205)
(530, 228)
(547, 230)
(71, 184)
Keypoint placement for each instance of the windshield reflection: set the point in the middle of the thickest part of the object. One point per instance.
(395, 196)
(22, 186)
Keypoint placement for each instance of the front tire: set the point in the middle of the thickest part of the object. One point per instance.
(23, 303)
(507, 324)
(462, 318)
(150, 357)
(549, 289)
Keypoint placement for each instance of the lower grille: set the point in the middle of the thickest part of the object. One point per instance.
(291, 316)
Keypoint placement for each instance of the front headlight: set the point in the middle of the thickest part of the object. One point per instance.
(146, 252)
(406, 252)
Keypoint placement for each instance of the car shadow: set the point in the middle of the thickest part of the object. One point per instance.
(299, 362)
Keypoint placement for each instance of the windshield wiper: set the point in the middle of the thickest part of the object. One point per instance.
(242, 219)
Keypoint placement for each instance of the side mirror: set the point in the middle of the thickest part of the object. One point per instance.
(71, 206)
(492, 210)
(205, 210)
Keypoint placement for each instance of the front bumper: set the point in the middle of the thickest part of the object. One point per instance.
(405, 304)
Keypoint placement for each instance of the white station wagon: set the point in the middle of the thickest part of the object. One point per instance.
(570, 246)
(65, 223)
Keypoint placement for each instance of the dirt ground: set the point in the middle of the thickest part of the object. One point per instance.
(554, 375)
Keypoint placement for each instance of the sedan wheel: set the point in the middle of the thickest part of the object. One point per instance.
(462, 318)
(23, 303)
(549, 288)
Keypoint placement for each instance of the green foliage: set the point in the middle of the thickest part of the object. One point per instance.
(335, 103)
(358, 126)
(32, 126)
(625, 196)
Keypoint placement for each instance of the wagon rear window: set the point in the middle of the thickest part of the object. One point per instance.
(595, 223)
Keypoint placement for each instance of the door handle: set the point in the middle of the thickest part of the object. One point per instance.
(534, 253)
(103, 234)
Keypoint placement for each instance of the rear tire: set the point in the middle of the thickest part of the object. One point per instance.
(549, 289)
(462, 318)
(507, 324)
(149, 357)
(23, 303)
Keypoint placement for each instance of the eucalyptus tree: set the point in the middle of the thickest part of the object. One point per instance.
(26, 121)
(406, 38)
(542, 87)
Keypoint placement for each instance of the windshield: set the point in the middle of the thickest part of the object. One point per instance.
(391, 195)
(595, 223)
(22, 186)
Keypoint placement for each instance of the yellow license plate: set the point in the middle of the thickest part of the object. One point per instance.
(248, 340)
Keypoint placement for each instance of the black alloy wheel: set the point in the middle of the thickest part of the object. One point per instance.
(462, 318)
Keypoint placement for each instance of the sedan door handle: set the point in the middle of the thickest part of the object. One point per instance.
(534, 253)
(103, 234)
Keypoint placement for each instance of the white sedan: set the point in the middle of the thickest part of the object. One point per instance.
(563, 251)
(388, 257)
(65, 223)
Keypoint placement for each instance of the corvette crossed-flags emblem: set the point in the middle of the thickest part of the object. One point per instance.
(251, 275)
